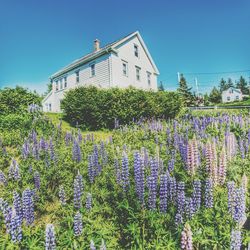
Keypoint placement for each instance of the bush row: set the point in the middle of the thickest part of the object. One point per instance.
(94, 108)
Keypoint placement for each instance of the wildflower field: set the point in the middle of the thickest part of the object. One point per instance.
(155, 184)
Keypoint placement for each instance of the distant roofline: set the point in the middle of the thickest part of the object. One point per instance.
(110, 47)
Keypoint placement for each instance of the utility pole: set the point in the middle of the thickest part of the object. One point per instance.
(196, 84)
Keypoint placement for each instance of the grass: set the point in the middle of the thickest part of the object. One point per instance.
(57, 117)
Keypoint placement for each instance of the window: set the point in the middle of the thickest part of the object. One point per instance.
(56, 85)
(228, 98)
(61, 84)
(125, 68)
(65, 82)
(136, 50)
(138, 70)
(149, 78)
(237, 97)
(49, 106)
(92, 69)
(77, 76)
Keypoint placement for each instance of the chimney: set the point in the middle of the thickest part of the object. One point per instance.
(96, 45)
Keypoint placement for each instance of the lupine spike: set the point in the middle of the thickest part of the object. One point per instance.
(186, 238)
(28, 206)
(50, 238)
(89, 202)
(78, 224)
(125, 172)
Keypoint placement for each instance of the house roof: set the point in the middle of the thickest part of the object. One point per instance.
(233, 88)
(104, 50)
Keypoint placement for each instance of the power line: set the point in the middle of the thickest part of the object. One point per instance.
(217, 73)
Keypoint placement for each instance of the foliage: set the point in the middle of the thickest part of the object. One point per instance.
(185, 91)
(161, 87)
(16, 100)
(215, 96)
(45, 151)
(93, 108)
(243, 86)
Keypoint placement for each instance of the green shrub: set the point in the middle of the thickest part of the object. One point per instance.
(94, 108)
(16, 100)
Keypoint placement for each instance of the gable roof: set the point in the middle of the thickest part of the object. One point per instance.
(232, 88)
(104, 50)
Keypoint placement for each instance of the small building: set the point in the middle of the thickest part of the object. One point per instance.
(231, 95)
(123, 63)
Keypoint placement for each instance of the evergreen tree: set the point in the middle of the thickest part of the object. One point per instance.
(161, 87)
(229, 83)
(242, 85)
(185, 91)
(215, 96)
(223, 85)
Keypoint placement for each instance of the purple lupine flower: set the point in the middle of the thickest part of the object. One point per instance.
(197, 194)
(154, 169)
(98, 167)
(189, 208)
(30, 169)
(103, 246)
(180, 197)
(79, 135)
(28, 206)
(139, 176)
(230, 196)
(92, 245)
(163, 193)
(50, 237)
(209, 193)
(78, 224)
(89, 202)
(152, 189)
(186, 238)
(17, 203)
(3, 179)
(35, 151)
(42, 144)
(15, 227)
(62, 196)
(171, 162)
(91, 169)
(239, 214)
(76, 152)
(25, 149)
(77, 194)
(52, 150)
(14, 172)
(125, 172)
(117, 171)
(235, 243)
(68, 138)
(7, 213)
(178, 219)
(172, 189)
(37, 180)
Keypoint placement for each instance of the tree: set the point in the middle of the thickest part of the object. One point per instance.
(49, 88)
(161, 87)
(185, 91)
(222, 85)
(229, 83)
(242, 85)
(215, 96)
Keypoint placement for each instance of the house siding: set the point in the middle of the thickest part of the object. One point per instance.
(101, 79)
(125, 52)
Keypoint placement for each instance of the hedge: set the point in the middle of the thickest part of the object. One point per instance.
(94, 108)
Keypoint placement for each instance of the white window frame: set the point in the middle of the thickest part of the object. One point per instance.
(149, 78)
(77, 76)
(57, 86)
(92, 70)
(65, 82)
(124, 70)
(237, 97)
(228, 98)
(136, 50)
(138, 73)
(61, 83)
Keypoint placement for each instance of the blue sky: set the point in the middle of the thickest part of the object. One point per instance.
(39, 37)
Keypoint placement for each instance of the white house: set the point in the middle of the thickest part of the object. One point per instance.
(231, 94)
(125, 62)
